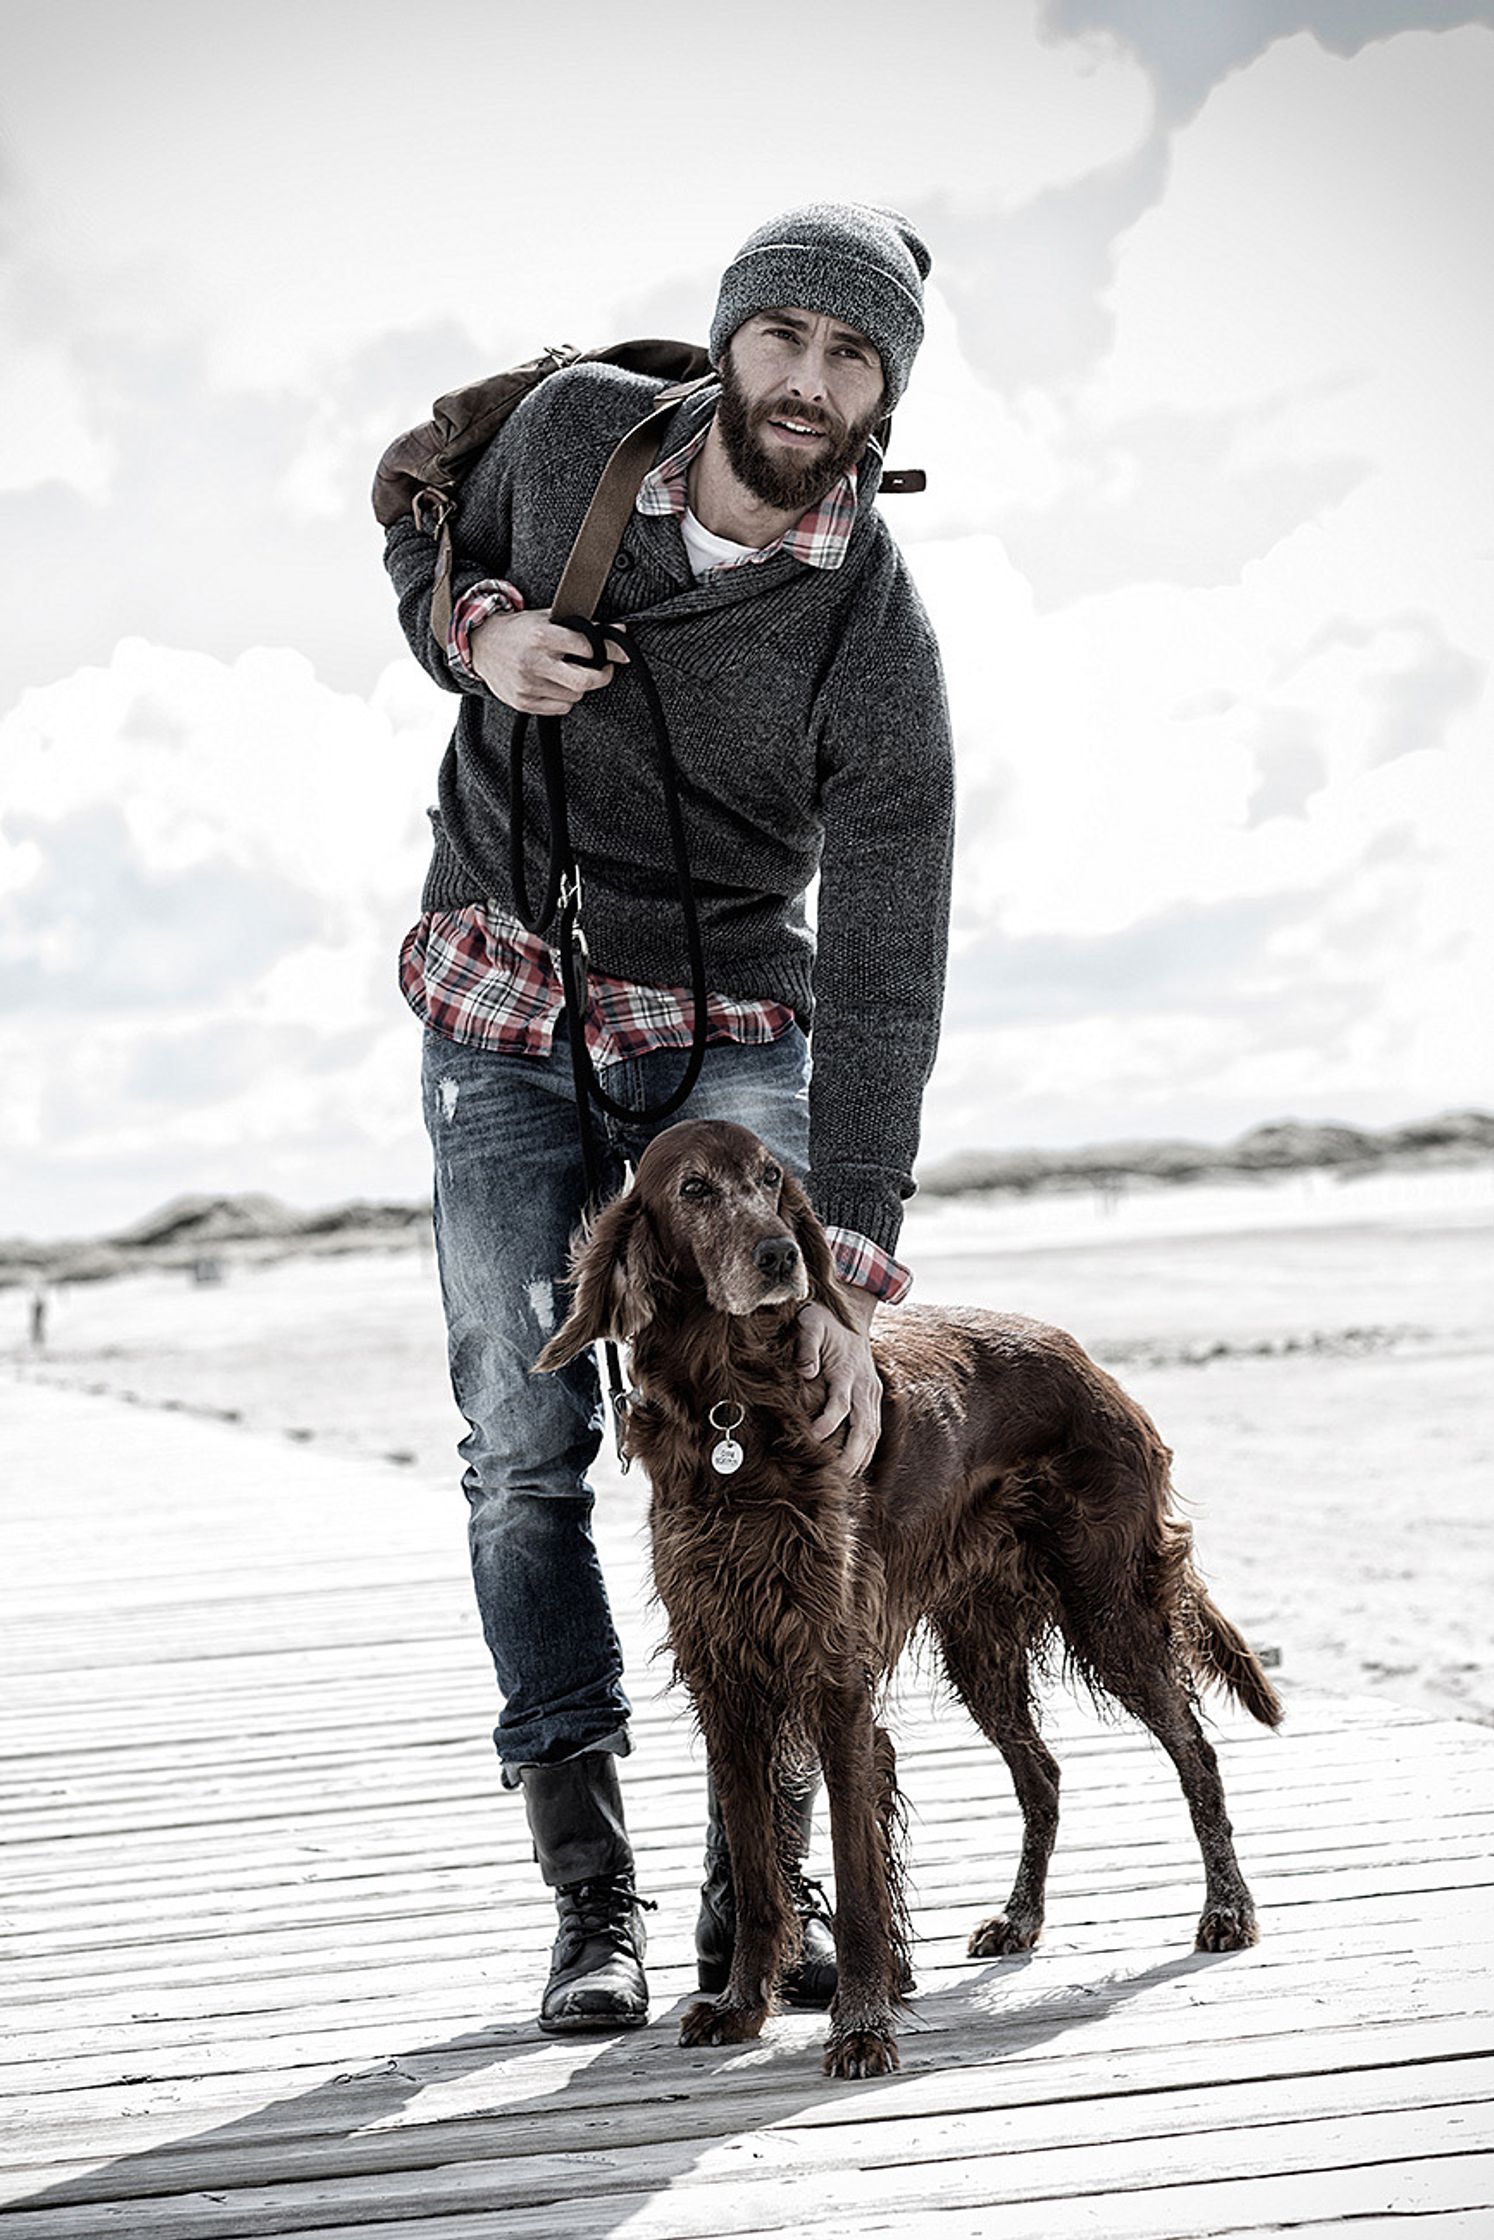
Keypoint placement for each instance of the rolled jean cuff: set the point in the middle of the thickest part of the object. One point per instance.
(619, 1743)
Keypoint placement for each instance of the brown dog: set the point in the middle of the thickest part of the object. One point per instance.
(1017, 1500)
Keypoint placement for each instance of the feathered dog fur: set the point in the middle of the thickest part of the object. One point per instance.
(1018, 1500)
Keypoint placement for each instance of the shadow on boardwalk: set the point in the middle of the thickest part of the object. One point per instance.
(629, 2123)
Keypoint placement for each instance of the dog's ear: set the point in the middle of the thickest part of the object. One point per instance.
(612, 1270)
(824, 1283)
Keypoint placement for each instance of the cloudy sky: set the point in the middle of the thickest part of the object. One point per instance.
(1209, 537)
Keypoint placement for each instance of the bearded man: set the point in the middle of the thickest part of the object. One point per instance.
(807, 712)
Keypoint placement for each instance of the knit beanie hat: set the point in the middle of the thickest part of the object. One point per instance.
(854, 261)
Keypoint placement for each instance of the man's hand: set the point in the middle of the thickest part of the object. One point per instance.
(521, 658)
(844, 1358)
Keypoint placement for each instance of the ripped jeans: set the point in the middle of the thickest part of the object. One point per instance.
(509, 1191)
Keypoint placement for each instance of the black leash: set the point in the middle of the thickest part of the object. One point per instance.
(563, 896)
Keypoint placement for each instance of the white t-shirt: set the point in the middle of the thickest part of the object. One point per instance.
(706, 549)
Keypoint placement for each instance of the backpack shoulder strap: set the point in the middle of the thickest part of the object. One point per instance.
(601, 532)
(420, 475)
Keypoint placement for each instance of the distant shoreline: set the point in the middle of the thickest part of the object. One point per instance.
(1277, 1147)
(203, 1232)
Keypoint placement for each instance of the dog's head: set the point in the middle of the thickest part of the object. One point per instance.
(711, 1209)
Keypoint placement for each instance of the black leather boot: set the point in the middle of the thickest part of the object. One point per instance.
(596, 1970)
(811, 1981)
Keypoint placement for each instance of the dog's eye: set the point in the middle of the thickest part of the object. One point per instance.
(772, 1175)
(695, 1186)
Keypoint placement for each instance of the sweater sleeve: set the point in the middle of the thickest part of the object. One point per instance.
(482, 540)
(886, 768)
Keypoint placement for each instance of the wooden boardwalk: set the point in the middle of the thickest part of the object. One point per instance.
(273, 1937)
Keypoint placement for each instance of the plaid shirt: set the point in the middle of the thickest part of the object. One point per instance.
(477, 975)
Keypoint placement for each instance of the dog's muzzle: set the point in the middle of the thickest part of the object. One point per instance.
(777, 1257)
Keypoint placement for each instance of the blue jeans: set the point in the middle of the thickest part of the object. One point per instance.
(509, 1191)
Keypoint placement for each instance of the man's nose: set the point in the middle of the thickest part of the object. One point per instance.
(776, 1256)
(810, 375)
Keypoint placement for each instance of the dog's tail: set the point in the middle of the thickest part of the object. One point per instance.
(1221, 1654)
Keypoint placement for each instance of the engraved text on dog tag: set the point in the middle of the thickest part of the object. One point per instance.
(726, 1456)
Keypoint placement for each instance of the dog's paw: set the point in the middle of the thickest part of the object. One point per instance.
(719, 2022)
(1002, 1935)
(1227, 1929)
(862, 2053)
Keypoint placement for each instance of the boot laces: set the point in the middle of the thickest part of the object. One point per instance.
(606, 1904)
(810, 1901)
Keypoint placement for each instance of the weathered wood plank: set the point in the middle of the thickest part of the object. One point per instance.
(556, 2158)
(526, 2098)
(1177, 2002)
(453, 1944)
(294, 1883)
(164, 2015)
(403, 1767)
(772, 2183)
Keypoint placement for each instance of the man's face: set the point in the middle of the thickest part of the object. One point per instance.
(800, 394)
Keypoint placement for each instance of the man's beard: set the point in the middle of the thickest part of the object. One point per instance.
(788, 484)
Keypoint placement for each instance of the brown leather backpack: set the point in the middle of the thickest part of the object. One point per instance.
(421, 473)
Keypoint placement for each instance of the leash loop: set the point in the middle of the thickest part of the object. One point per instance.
(595, 635)
(562, 889)
(560, 907)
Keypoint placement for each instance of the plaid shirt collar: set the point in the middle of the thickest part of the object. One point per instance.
(820, 537)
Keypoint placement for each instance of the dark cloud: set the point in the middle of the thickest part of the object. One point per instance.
(196, 543)
(100, 931)
(1210, 960)
(225, 1058)
(1190, 958)
(1185, 514)
(1420, 702)
(1027, 285)
(1418, 699)
(1291, 764)
(1187, 46)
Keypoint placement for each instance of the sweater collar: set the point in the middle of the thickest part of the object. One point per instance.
(820, 537)
(690, 422)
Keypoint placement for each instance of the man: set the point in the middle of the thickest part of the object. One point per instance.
(806, 708)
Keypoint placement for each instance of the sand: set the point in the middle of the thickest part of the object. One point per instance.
(1317, 1351)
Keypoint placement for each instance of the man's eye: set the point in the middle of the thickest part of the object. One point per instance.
(695, 1186)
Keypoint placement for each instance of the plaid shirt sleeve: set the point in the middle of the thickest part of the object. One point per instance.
(491, 596)
(864, 1266)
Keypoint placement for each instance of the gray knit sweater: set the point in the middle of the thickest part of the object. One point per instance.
(807, 712)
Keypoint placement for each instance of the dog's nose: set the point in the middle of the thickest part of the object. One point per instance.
(776, 1256)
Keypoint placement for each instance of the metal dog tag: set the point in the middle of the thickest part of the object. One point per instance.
(726, 1455)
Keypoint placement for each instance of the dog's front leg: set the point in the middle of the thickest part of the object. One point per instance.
(742, 1754)
(856, 1758)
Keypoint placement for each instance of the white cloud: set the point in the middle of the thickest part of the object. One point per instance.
(290, 180)
(205, 869)
(1277, 770)
(48, 429)
(1322, 242)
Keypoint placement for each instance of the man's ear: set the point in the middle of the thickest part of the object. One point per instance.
(824, 1283)
(610, 1268)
